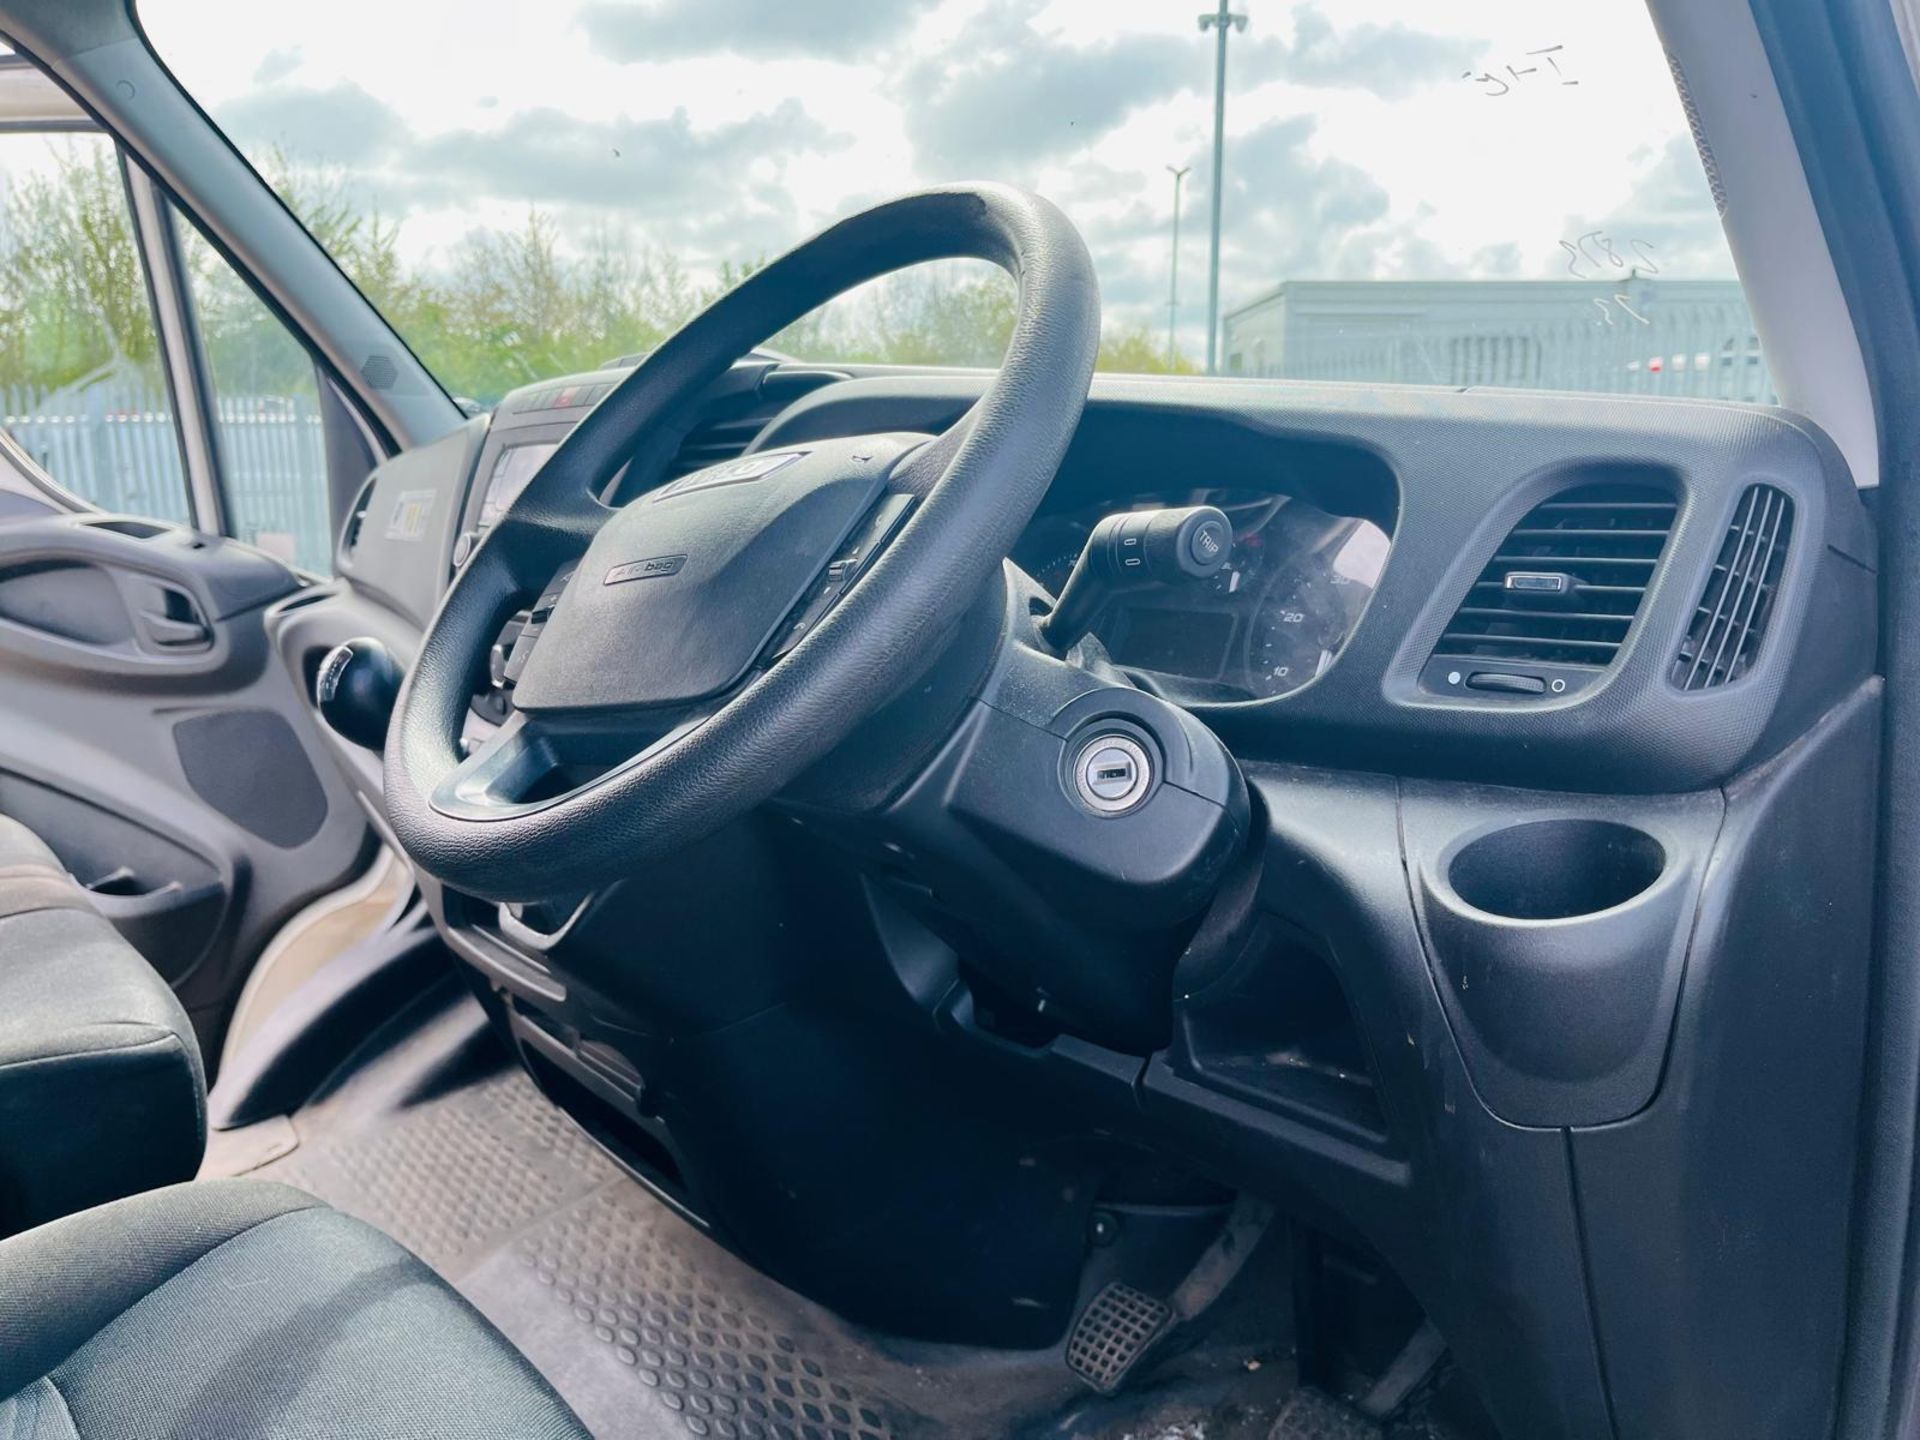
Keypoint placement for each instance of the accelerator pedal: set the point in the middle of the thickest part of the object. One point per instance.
(1113, 1332)
(1121, 1323)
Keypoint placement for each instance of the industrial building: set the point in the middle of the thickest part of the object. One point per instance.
(1637, 335)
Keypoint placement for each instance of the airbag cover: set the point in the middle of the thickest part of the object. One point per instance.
(683, 589)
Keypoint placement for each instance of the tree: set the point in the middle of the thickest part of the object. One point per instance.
(78, 302)
(1140, 351)
(507, 307)
(515, 306)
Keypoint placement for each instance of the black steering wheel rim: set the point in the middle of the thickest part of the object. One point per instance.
(978, 484)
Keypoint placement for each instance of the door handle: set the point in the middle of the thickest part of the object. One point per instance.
(172, 633)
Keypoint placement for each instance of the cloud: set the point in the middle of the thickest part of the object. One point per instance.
(1287, 212)
(719, 189)
(1020, 98)
(341, 125)
(674, 29)
(1003, 95)
(1670, 211)
(660, 171)
(276, 65)
(1391, 61)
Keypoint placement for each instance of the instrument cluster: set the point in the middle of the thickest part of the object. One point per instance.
(1272, 620)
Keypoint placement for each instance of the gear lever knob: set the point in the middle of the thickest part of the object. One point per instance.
(355, 689)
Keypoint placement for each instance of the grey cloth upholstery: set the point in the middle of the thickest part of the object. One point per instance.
(20, 848)
(38, 1412)
(235, 1308)
(31, 875)
(101, 1090)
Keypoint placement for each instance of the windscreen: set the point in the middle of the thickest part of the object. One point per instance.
(1491, 192)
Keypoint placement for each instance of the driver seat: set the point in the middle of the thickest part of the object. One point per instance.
(241, 1310)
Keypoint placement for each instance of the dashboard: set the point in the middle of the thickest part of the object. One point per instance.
(1352, 627)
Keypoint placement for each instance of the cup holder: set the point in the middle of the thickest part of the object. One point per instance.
(1556, 869)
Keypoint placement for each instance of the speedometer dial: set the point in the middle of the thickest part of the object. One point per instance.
(1294, 637)
(1053, 571)
(1047, 551)
(1325, 569)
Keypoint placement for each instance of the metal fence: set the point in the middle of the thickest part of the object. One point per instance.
(113, 442)
(1707, 355)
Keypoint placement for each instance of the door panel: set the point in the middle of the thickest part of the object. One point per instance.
(149, 735)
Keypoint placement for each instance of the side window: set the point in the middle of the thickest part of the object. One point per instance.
(81, 386)
(266, 414)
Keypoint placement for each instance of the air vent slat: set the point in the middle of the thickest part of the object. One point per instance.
(1734, 590)
(1586, 617)
(714, 442)
(1608, 539)
(1730, 621)
(1611, 507)
(1587, 592)
(1522, 643)
(1531, 559)
(1571, 533)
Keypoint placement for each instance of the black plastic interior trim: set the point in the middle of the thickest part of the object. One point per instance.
(1845, 80)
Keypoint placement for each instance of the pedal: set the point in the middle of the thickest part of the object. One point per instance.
(1113, 1332)
(1315, 1415)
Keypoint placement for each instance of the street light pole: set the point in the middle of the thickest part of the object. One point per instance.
(1173, 272)
(1220, 22)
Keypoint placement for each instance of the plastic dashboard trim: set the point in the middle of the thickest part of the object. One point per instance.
(1447, 472)
(1468, 464)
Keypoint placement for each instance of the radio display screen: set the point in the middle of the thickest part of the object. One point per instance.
(512, 469)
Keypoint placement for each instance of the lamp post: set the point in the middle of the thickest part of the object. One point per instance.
(1221, 22)
(1179, 174)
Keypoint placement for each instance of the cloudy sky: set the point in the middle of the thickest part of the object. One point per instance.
(1365, 138)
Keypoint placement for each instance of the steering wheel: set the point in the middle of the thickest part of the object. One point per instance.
(692, 652)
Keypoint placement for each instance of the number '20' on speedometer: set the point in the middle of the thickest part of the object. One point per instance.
(1324, 574)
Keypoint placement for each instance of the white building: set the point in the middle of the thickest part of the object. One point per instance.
(1638, 335)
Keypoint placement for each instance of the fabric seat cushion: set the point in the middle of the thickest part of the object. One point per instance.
(101, 1089)
(237, 1309)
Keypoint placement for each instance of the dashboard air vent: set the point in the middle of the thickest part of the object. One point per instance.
(1564, 587)
(714, 441)
(1727, 626)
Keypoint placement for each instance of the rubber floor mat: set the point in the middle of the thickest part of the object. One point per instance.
(645, 1325)
(1312, 1416)
(454, 1178)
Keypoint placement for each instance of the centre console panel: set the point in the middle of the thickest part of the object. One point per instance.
(1682, 1078)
